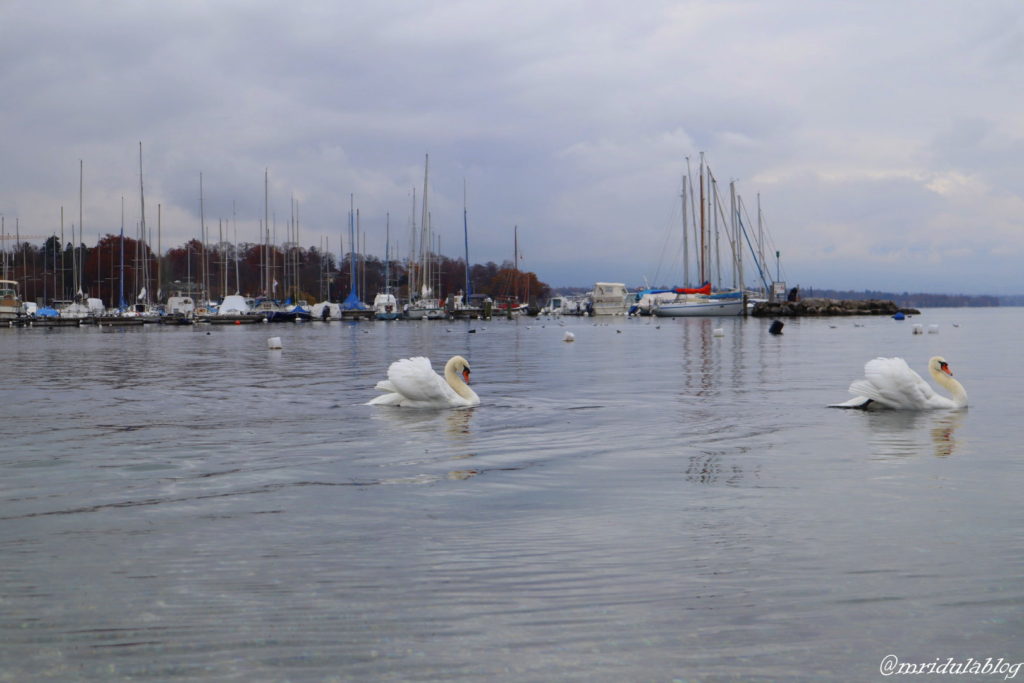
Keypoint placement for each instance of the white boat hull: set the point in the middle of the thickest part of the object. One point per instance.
(417, 313)
(710, 307)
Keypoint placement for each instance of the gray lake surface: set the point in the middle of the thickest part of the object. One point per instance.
(649, 503)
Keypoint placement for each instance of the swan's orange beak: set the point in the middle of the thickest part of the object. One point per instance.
(465, 374)
(945, 368)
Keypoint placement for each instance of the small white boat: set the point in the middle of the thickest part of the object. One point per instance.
(566, 305)
(424, 309)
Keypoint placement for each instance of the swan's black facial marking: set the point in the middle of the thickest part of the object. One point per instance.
(944, 367)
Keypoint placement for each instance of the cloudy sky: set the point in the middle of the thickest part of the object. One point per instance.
(884, 138)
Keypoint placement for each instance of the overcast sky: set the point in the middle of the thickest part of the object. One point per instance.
(884, 138)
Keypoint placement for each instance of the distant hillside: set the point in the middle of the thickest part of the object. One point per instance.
(915, 300)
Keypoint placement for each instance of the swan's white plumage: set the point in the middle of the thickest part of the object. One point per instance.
(412, 383)
(891, 383)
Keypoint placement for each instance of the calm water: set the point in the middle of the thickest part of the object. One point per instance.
(649, 503)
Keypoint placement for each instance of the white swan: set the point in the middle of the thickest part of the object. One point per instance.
(890, 383)
(412, 383)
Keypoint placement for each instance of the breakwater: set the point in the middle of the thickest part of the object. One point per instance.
(823, 307)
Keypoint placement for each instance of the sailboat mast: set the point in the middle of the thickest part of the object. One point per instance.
(465, 236)
(387, 253)
(352, 243)
(716, 215)
(295, 252)
(411, 275)
(159, 250)
(362, 250)
(686, 240)
(74, 254)
(142, 229)
(202, 234)
(223, 263)
(515, 261)
(703, 236)
(266, 232)
(120, 305)
(234, 221)
(737, 276)
(425, 234)
(63, 285)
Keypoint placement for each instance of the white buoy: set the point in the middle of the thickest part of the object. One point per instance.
(274, 343)
(933, 329)
(718, 332)
(918, 328)
(569, 337)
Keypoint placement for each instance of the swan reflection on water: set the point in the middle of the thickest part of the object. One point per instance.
(456, 422)
(900, 433)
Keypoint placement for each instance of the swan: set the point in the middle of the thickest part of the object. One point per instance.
(890, 383)
(412, 383)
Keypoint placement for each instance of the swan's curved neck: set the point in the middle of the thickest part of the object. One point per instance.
(955, 389)
(456, 383)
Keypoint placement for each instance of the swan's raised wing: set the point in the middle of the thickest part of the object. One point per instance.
(417, 382)
(892, 383)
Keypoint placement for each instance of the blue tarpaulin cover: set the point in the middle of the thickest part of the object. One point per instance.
(352, 303)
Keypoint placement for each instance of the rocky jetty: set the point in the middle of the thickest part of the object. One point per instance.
(778, 309)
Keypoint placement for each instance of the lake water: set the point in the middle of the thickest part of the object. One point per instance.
(649, 503)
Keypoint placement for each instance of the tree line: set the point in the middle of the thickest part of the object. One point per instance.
(122, 271)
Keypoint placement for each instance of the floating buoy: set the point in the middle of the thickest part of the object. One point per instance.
(899, 316)
(274, 343)
(918, 328)
(718, 332)
(569, 337)
(776, 327)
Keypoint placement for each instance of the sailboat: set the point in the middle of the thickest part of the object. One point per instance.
(508, 302)
(703, 301)
(465, 304)
(385, 305)
(423, 302)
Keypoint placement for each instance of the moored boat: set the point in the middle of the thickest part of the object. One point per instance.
(385, 307)
(609, 298)
(10, 301)
(234, 310)
(699, 302)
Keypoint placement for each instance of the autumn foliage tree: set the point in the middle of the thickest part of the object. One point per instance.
(47, 272)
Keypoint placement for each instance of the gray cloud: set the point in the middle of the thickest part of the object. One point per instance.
(884, 141)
